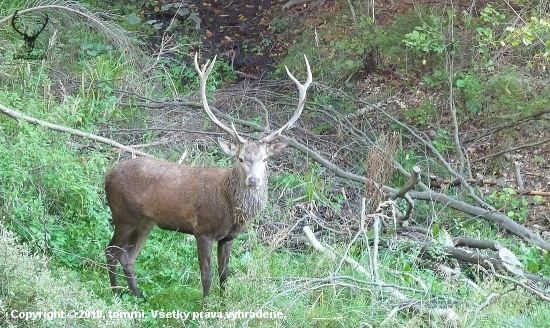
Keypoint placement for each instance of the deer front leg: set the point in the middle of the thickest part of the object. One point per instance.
(224, 251)
(204, 247)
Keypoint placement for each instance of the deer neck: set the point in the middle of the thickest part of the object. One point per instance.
(246, 202)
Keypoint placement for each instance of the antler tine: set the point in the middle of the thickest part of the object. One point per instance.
(203, 74)
(302, 89)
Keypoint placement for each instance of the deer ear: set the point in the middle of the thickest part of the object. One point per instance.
(228, 147)
(276, 148)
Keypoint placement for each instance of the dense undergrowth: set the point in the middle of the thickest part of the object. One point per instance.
(55, 222)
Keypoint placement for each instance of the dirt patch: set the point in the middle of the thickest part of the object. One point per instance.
(238, 31)
(241, 32)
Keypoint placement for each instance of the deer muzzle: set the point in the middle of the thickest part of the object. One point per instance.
(253, 183)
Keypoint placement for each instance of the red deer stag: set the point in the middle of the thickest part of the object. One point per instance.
(211, 203)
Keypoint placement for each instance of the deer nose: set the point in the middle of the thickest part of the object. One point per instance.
(254, 182)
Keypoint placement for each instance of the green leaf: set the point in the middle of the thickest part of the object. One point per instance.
(435, 231)
(133, 19)
(196, 19)
(539, 159)
(460, 83)
(509, 191)
(349, 62)
(183, 12)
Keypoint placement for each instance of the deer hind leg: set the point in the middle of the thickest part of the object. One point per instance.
(224, 251)
(112, 252)
(126, 249)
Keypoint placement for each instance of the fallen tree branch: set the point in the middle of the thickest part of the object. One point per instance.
(495, 217)
(292, 3)
(489, 262)
(532, 144)
(482, 259)
(418, 305)
(486, 261)
(521, 284)
(437, 183)
(17, 116)
(476, 243)
(413, 180)
(517, 171)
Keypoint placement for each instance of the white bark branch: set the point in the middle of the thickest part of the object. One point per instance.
(17, 116)
(418, 305)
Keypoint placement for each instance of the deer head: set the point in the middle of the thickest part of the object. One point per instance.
(251, 156)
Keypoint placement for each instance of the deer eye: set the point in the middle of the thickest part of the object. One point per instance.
(241, 160)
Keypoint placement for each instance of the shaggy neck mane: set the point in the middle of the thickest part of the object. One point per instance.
(248, 202)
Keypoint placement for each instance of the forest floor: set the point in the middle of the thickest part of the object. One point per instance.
(249, 33)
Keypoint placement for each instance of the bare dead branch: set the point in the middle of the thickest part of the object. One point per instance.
(129, 131)
(488, 300)
(489, 262)
(521, 284)
(476, 243)
(492, 216)
(418, 305)
(474, 257)
(292, 3)
(521, 118)
(413, 180)
(438, 183)
(409, 185)
(512, 149)
(17, 115)
(517, 171)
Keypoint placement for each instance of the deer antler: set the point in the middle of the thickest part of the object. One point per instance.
(32, 36)
(302, 89)
(203, 74)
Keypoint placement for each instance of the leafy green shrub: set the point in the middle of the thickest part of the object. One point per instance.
(472, 91)
(350, 51)
(486, 27)
(427, 38)
(51, 191)
(511, 204)
(26, 284)
(415, 39)
(534, 34)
